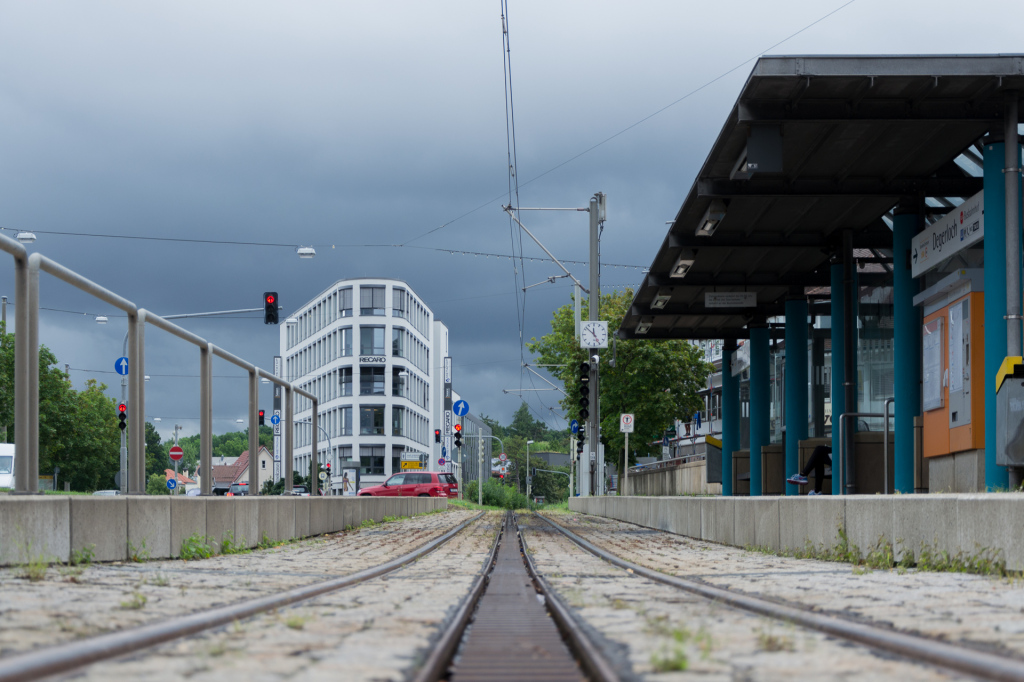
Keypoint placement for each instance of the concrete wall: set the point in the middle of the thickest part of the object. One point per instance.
(684, 479)
(968, 524)
(154, 526)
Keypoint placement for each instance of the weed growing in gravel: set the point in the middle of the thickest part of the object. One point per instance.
(196, 546)
(769, 641)
(672, 657)
(229, 546)
(72, 573)
(83, 556)
(368, 523)
(161, 580)
(138, 554)
(267, 543)
(296, 622)
(136, 602)
(35, 566)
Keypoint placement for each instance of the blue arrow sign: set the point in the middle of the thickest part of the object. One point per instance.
(121, 366)
(574, 426)
(444, 451)
(171, 484)
(275, 420)
(460, 408)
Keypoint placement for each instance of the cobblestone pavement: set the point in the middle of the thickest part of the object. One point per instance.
(376, 630)
(980, 611)
(75, 602)
(667, 634)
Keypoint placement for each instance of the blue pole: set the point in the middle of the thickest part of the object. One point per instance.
(838, 322)
(995, 302)
(796, 385)
(907, 351)
(730, 417)
(760, 403)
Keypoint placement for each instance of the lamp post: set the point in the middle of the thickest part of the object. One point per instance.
(529, 479)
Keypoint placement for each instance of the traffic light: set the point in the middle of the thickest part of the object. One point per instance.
(122, 416)
(270, 307)
(261, 417)
(458, 435)
(533, 472)
(584, 401)
(327, 468)
(437, 435)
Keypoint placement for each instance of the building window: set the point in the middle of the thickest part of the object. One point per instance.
(371, 420)
(398, 382)
(345, 305)
(346, 342)
(398, 342)
(371, 340)
(346, 380)
(398, 302)
(371, 300)
(371, 459)
(345, 427)
(371, 381)
(263, 464)
(397, 421)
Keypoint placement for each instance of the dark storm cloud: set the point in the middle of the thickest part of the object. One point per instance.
(371, 123)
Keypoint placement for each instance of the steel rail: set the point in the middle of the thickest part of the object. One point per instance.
(590, 657)
(914, 647)
(443, 650)
(66, 657)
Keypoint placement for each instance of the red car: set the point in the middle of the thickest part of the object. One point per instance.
(416, 484)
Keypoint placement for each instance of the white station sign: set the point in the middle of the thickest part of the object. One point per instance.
(962, 227)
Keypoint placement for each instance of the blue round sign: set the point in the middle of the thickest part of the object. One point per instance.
(171, 484)
(574, 426)
(275, 420)
(460, 408)
(121, 366)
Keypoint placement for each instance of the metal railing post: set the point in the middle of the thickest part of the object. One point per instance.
(885, 443)
(32, 375)
(314, 454)
(254, 431)
(289, 428)
(206, 419)
(137, 408)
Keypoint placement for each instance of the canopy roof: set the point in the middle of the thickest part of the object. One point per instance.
(814, 146)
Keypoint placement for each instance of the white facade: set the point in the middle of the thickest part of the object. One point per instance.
(364, 348)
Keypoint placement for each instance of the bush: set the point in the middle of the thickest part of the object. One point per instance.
(496, 494)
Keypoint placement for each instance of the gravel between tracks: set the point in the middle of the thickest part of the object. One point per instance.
(979, 611)
(662, 629)
(376, 630)
(76, 602)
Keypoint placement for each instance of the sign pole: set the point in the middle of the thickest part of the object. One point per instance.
(625, 468)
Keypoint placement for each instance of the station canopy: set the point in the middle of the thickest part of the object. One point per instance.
(815, 146)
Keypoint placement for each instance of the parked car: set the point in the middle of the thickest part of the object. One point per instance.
(415, 484)
(300, 490)
(239, 489)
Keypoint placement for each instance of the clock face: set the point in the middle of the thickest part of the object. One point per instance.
(594, 335)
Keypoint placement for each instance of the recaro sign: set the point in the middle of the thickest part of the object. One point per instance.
(962, 227)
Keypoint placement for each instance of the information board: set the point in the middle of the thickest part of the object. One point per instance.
(931, 360)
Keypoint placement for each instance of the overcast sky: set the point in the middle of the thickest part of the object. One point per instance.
(340, 124)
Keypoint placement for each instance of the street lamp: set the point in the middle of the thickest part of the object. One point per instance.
(305, 251)
(101, 319)
(25, 237)
(529, 481)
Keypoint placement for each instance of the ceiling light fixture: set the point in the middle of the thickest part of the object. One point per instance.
(709, 221)
(683, 263)
(644, 325)
(662, 298)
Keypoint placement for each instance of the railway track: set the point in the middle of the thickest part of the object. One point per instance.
(914, 648)
(63, 658)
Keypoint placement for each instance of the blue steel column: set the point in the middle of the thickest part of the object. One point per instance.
(838, 322)
(995, 302)
(907, 350)
(796, 385)
(760, 403)
(730, 415)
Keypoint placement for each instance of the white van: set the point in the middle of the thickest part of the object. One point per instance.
(6, 465)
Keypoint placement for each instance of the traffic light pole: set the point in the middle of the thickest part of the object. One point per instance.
(594, 423)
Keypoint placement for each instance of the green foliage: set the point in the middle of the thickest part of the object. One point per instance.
(273, 487)
(228, 545)
(34, 566)
(495, 495)
(267, 543)
(156, 484)
(231, 444)
(136, 601)
(138, 554)
(83, 556)
(157, 459)
(196, 546)
(657, 380)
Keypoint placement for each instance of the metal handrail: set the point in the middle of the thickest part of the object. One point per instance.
(885, 450)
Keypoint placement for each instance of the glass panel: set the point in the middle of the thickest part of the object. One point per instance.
(371, 381)
(345, 296)
(398, 302)
(371, 420)
(371, 300)
(346, 421)
(371, 340)
(6, 464)
(397, 421)
(346, 381)
(397, 382)
(346, 342)
(398, 342)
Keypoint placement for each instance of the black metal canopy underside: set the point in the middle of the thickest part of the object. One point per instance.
(858, 134)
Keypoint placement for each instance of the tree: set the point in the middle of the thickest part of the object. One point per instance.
(656, 380)
(97, 441)
(156, 484)
(157, 457)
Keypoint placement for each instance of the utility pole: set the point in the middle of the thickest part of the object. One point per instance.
(595, 466)
(177, 427)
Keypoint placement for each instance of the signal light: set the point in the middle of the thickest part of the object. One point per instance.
(584, 400)
(122, 416)
(262, 413)
(327, 468)
(270, 303)
(437, 435)
(458, 435)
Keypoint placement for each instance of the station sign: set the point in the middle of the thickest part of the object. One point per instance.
(959, 229)
(730, 299)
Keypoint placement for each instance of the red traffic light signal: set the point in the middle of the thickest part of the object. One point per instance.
(270, 304)
(458, 428)
(122, 416)
(437, 435)
(271, 298)
(122, 408)
(262, 413)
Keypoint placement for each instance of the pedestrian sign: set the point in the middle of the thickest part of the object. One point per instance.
(121, 366)
(171, 484)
